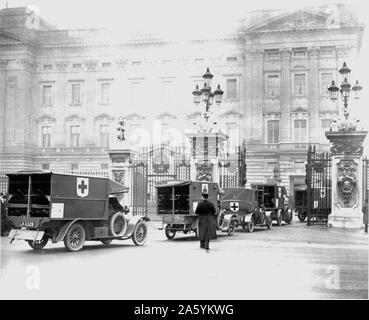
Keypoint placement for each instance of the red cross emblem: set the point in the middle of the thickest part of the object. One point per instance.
(82, 187)
(235, 206)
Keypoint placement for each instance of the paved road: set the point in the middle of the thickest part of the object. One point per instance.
(288, 262)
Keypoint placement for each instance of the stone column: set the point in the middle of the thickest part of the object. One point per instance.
(120, 155)
(255, 99)
(313, 95)
(285, 123)
(347, 183)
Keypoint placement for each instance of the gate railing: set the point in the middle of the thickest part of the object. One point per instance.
(319, 188)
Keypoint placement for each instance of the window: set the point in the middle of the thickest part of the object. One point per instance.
(46, 95)
(104, 136)
(273, 86)
(48, 67)
(326, 125)
(272, 54)
(232, 133)
(299, 53)
(76, 93)
(167, 61)
(231, 88)
(105, 93)
(299, 84)
(106, 64)
(325, 82)
(167, 92)
(75, 132)
(74, 166)
(77, 65)
(45, 166)
(46, 136)
(231, 59)
(104, 166)
(136, 63)
(326, 51)
(273, 131)
(299, 130)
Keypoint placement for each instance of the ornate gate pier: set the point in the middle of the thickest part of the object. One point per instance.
(347, 177)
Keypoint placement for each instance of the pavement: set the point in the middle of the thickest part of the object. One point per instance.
(288, 262)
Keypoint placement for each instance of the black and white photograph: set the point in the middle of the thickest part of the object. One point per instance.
(206, 151)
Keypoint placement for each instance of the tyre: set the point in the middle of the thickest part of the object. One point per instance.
(169, 234)
(139, 235)
(230, 230)
(250, 225)
(75, 238)
(301, 215)
(117, 224)
(106, 241)
(38, 245)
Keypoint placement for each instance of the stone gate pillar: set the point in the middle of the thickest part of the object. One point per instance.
(347, 178)
(206, 149)
(120, 156)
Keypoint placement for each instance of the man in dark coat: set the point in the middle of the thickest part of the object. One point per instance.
(207, 227)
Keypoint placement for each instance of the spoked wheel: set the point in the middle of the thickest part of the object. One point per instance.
(106, 241)
(139, 235)
(250, 226)
(38, 245)
(75, 237)
(169, 233)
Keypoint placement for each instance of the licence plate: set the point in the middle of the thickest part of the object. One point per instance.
(20, 234)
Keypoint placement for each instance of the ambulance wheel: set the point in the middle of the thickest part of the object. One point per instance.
(230, 230)
(169, 233)
(75, 238)
(106, 241)
(38, 245)
(302, 216)
(250, 225)
(290, 217)
(139, 235)
(118, 224)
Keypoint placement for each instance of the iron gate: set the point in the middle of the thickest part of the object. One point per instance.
(153, 165)
(232, 169)
(319, 187)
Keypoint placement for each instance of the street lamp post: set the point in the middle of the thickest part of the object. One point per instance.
(345, 89)
(206, 95)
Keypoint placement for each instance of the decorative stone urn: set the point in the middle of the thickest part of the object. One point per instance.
(347, 176)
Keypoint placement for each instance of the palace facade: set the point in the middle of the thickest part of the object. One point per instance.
(62, 91)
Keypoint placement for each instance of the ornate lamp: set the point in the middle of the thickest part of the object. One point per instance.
(206, 95)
